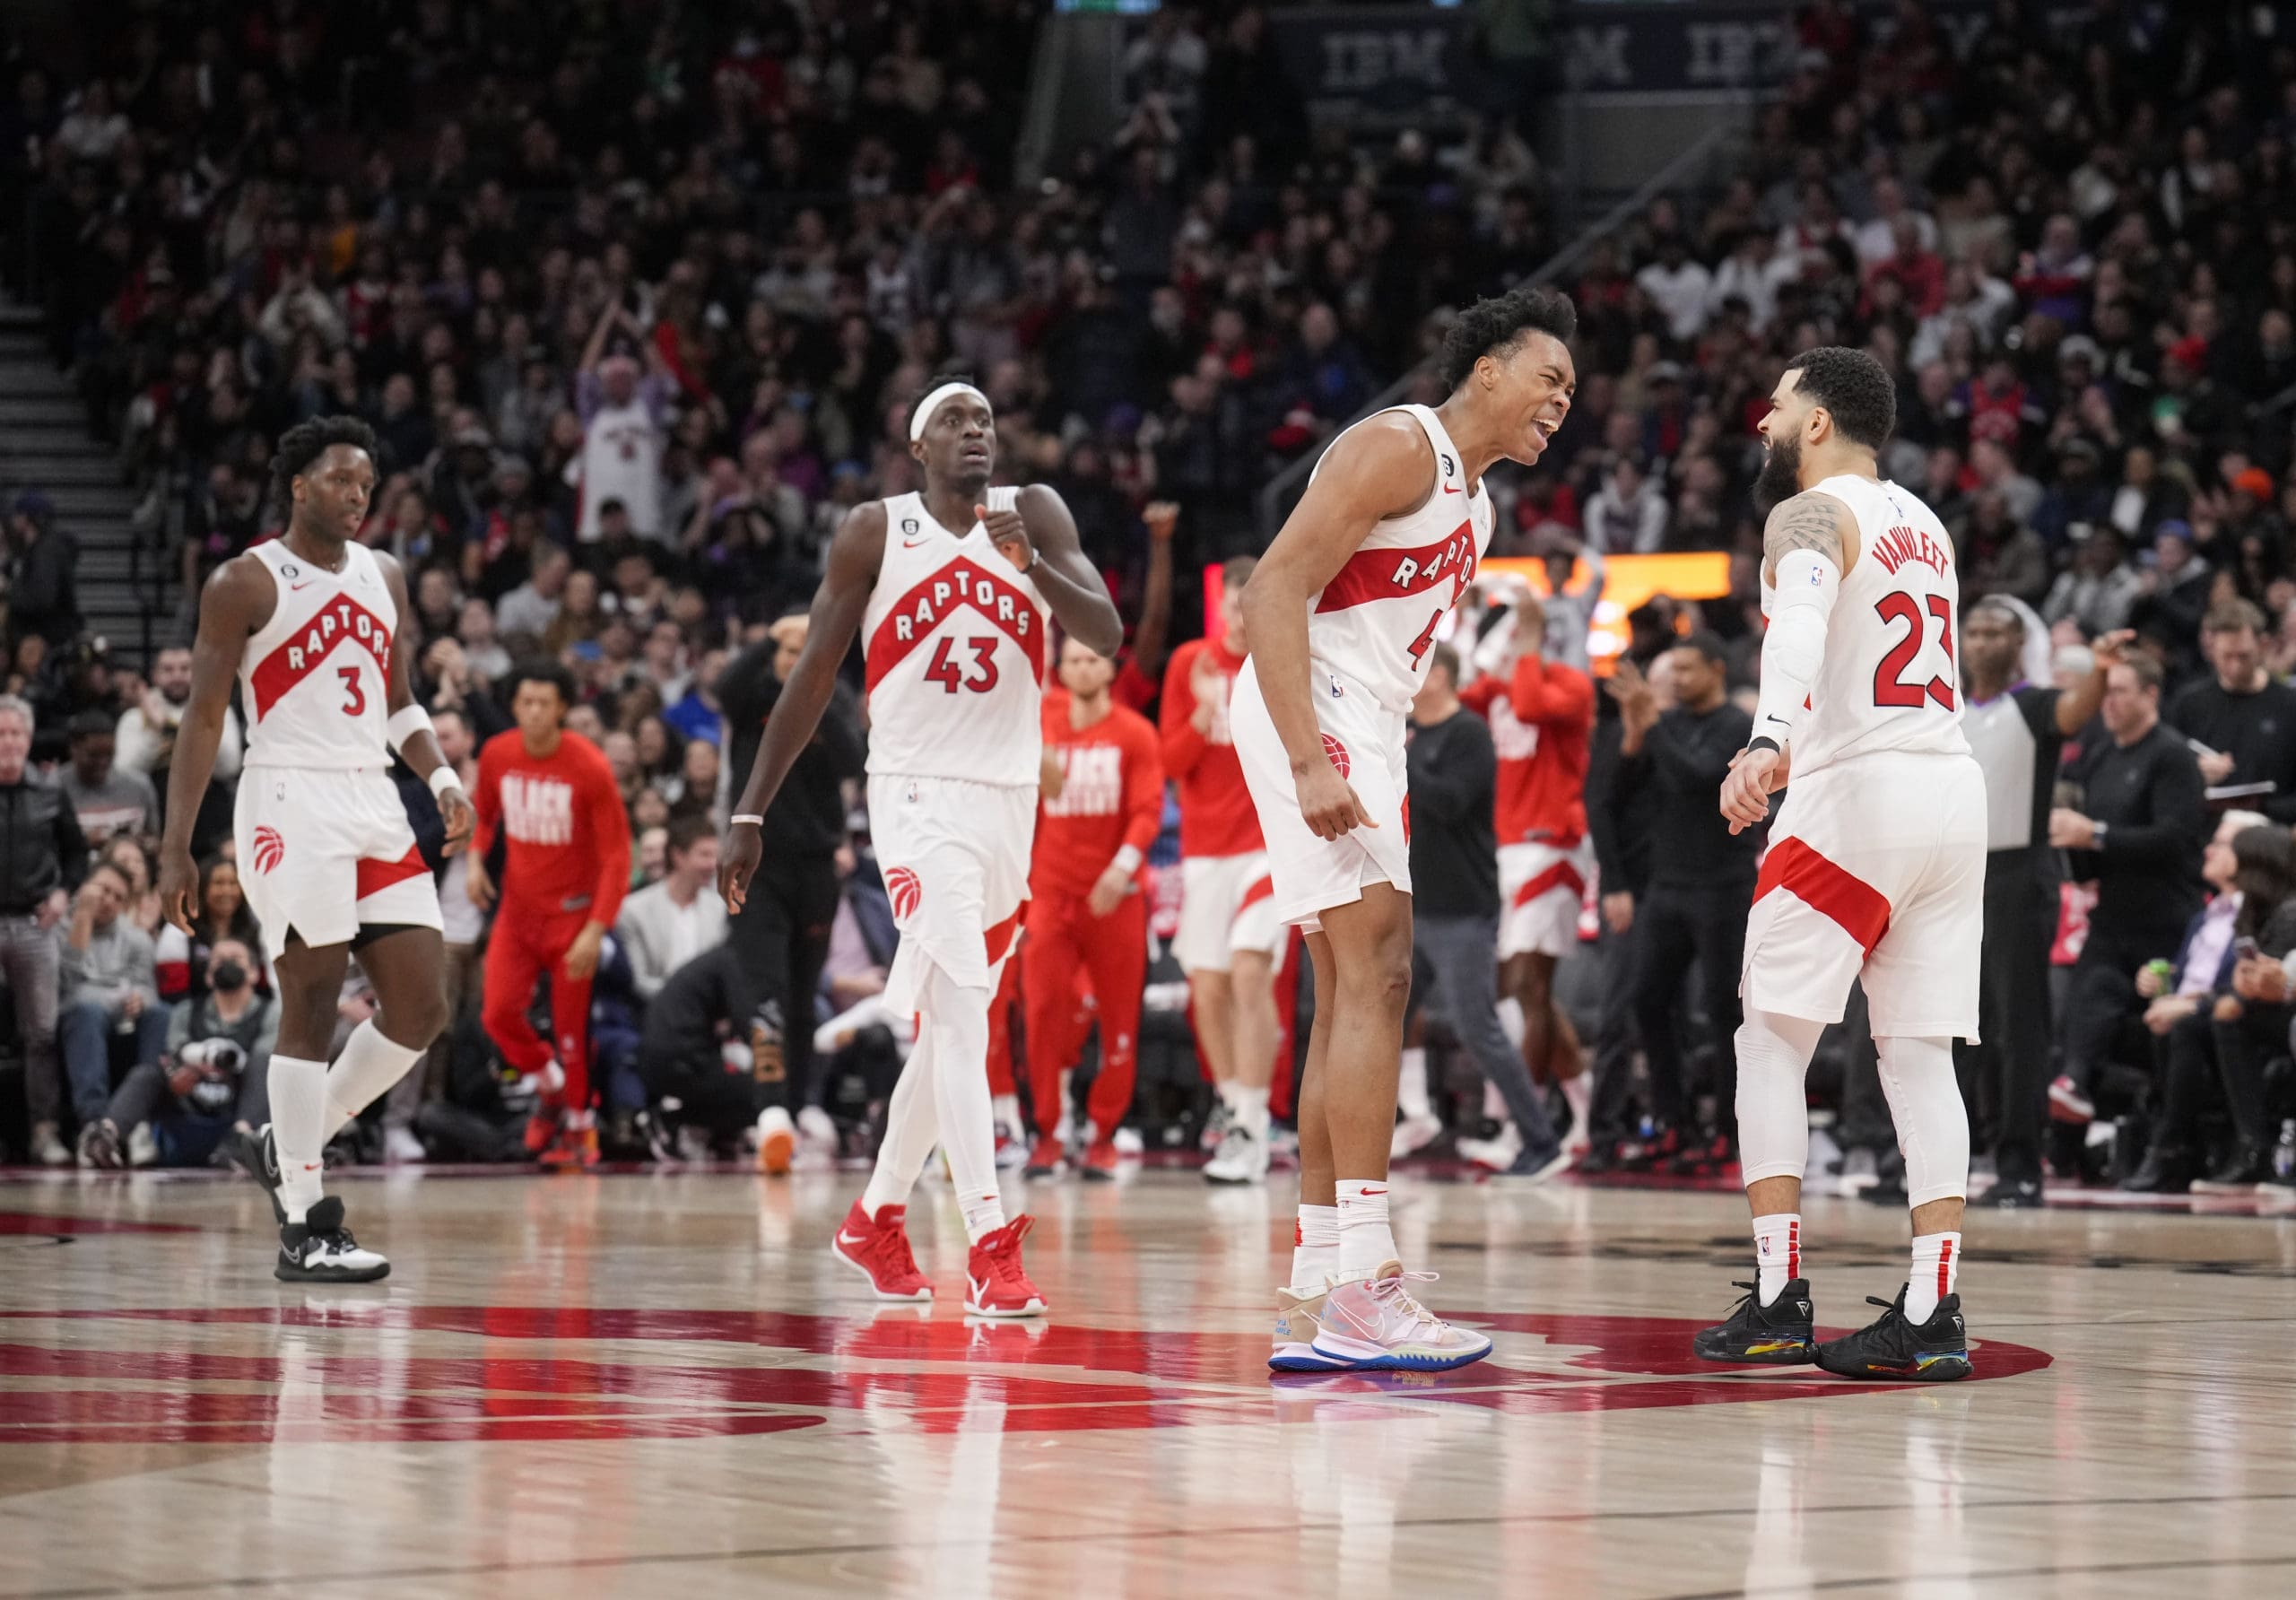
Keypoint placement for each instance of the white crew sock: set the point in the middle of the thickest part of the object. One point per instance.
(1410, 1086)
(1250, 1105)
(1314, 1246)
(1228, 1088)
(1006, 1108)
(1511, 1021)
(368, 1068)
(1936, 1268)
(1579, 1095)
(1777, 1252)
(1366, 1242)
(299, 1125)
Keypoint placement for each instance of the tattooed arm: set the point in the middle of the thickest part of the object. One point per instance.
(1807, 521)
(1807, 545)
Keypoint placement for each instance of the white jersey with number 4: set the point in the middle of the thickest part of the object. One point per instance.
(958, 642)
(316, 677)
(1375, 622)
(1888, 679)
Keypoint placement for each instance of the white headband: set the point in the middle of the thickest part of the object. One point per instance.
(923, 411)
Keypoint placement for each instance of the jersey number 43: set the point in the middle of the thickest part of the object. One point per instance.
(945, 672)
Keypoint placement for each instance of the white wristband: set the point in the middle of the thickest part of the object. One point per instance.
(753, 820)
(1127, 860)
(442, 778)
(404, 725)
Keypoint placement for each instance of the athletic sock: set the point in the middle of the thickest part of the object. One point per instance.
(1007, 1108)
(1314, 1246)
(369, 1067)
(1936, 1268)
(1251, 1109)
(1410, 1086)
(1366, 1242)
(984, 1214)
(1510, 1021)
(1777, 1252)
(1227, 1088)
(299, 1125)
(1579, 1095)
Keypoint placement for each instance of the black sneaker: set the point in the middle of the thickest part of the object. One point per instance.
(2239, 1173)
(2010, 1194)
(319, 1249)
(2161, 1172)
(1778, 1334)
(100, 1146)
(1894, 1350)
(257, 1155)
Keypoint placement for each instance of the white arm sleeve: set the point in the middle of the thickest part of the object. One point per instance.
(1808, 584)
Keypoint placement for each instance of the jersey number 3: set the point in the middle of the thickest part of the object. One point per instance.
(1889, 687)
(355, 702)
(950, 677)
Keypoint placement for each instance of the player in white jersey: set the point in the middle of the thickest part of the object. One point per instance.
(949, 588)
(1343, 613)
(1875, 866)
(308, 626)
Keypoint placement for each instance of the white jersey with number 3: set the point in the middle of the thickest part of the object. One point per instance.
(1375, 622)
(316, 677)
(1888, 679)
(958, 645)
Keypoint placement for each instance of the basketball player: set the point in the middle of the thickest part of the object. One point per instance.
(1542, 718)
(1342, 614)
(566, 870)
(308, 623)
(1103, 804)
(1876, 863)
(951, 587)
(1229, 943)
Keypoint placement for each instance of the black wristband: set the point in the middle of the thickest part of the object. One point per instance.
(1764, 742)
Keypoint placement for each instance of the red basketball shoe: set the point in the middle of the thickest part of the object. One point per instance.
(995, 1282)
(879, 1247)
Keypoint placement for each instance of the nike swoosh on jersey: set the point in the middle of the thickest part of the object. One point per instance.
(1449, 490)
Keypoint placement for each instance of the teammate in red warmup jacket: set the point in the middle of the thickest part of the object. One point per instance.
(1103, 802)
(562, 883)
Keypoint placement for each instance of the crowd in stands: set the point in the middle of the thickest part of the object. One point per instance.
(637, 298)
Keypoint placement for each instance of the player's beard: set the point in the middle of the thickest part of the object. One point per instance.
(1782, 475)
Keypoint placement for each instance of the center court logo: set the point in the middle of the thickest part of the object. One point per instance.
(270, 849)
(907, 892)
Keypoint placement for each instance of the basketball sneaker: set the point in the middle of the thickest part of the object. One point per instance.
(995, 1282)
(1242, 1159)
(100, 1145)
(1413, 1134)
(256, 1154)
(319, 1249)
(1778, 1334)
(1011, 1149)
(571, 1148)
(2068, 1102)
(1099, 1162)
(777, 1141)
(879, 1247)
(1374, 1323)
(1298, 1319)
(1047, 1159)
(1893, 1350)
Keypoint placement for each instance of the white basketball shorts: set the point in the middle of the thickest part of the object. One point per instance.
(326, 851)
(955, 859)
(1875, 866)
(1540, 890)
(1365, 744)
(1227, 905)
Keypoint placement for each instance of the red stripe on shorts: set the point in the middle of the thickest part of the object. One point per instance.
(1828, 889)
(1262, 888)
(374, 876)
(1560, 874)
(999, 939)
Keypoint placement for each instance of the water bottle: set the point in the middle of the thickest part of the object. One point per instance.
(2283, 1154)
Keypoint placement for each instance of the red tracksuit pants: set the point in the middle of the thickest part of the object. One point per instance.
(522, 945)
(1064, 935)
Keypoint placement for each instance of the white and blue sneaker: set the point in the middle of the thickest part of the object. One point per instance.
(1374, 1323)
(1298, 1320)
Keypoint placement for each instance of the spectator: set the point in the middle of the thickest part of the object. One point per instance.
(1454, 775)
(624, 430)
(2244, 723)
(2212, 1041)
(2100, 592)
(145, 741)
(174, 1111)
(530, 610)
(180, 959)
(43, 859)
(108, 799)
(1680, 288)
(2137, 835)
(43, 582)
(110, 990)
(1627, 516)
(666, 925)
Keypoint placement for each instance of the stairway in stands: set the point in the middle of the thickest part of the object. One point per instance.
(45, 444)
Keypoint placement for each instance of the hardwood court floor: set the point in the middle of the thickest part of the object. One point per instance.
(662, 1385)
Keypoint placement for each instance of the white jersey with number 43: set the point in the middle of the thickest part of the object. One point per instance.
(1888, 679)
(1375, 622)
(958, 644)
(316, 677)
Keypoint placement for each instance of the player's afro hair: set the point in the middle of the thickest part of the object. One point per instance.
(1494, 326)
(306, 442)
(1854, 387)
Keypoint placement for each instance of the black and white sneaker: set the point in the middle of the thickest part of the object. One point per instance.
(1893, 1350)
(319, 1249)
(257, 1155)
(1781, 1333)
(2011, 1194)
